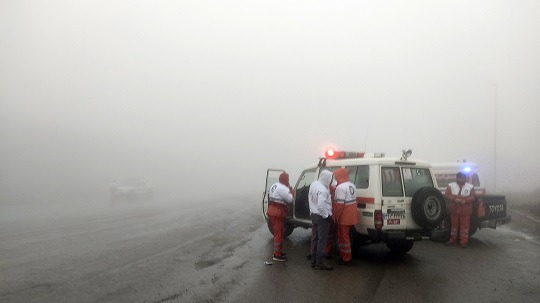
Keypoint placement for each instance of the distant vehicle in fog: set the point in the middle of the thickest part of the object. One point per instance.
(131, 190)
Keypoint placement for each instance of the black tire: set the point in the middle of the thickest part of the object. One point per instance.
(442, 234)
(287, 229)
(355, 242)
(473, 227)
(428, 207)
(400, 246)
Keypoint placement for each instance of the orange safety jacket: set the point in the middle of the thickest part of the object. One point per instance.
(345, 212)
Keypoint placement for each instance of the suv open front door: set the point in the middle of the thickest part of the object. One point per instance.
(301, 204)
(272, 176)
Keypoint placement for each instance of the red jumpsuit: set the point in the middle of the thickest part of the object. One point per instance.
(461, 199)
(280, 195)
(345, 212)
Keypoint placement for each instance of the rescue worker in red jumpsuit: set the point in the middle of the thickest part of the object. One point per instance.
(460, 195)
(345, 214)
(279, 198)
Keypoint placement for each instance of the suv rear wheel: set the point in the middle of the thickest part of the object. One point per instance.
(356, 242)
(428, 207)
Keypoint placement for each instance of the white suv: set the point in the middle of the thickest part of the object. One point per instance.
(397, 202)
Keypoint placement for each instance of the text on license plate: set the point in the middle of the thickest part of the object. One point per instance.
(392, 222)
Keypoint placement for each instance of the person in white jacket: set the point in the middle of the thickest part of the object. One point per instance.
(280, 197)
(320, 209)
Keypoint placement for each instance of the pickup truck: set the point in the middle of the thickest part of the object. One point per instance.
(488, 210)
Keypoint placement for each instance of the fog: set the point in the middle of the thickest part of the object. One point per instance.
(199, 98)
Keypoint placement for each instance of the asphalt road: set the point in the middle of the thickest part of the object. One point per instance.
(214, 251)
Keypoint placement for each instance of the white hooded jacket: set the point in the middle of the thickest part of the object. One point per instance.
(320, 202)
(279, 193)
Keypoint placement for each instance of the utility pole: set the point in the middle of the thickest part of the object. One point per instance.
(495, 139)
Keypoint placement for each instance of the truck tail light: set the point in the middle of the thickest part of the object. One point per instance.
(378, 219)
(481, 210)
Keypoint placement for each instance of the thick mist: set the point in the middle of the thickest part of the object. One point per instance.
(198, 98)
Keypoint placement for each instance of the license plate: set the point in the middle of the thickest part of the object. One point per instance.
(496, 208)
(393, 221)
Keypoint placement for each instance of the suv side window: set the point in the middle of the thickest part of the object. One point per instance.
(415, 178)
(391, 182)
(352, 173)
(359, 175)
(306, 179)
(362, 176)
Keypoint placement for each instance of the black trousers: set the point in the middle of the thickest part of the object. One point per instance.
(319, 236)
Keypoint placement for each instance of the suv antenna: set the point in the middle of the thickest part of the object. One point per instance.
(365, 140)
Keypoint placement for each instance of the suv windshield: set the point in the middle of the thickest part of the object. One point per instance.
(444, 179)
(415, 178)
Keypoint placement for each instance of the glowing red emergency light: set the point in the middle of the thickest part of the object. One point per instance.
(333, 154)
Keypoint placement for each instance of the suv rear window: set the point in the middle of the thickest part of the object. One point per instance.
(391, 182)
(415, 178)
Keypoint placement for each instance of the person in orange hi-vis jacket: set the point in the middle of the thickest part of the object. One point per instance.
(345, 214)
(460, 196)
(279, 198)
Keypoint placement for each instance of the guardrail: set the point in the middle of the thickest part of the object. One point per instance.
(525, 221)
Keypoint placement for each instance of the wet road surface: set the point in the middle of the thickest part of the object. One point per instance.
(215, 252)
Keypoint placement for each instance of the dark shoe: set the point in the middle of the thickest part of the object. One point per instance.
(328, 256)
(313, 265)
(280, 259)
(463, 245)
(283, 254)
(450, 243)
(346, 263)
(308, 257)
(323, 266)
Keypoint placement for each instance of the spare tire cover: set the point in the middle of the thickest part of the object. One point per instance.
(428, 207)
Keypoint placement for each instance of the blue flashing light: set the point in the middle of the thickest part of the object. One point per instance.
(467, 169)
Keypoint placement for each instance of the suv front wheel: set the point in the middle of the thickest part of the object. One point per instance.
(287, 228)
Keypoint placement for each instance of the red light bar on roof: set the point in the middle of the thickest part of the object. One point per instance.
(333, 154)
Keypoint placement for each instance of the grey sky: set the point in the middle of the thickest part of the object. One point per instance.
(203, 96)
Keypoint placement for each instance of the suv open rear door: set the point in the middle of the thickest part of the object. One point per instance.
(272, 176)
